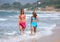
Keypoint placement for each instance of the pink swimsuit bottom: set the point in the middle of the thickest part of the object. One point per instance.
(23, 24)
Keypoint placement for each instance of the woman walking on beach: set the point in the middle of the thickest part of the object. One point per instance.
(34, 20)
(22, 21)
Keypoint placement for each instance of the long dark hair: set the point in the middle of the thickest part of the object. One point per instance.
(22, 11)
(34, 14)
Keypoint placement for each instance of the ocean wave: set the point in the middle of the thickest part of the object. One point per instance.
(50, 27)
(20, 38)
(9, 11)
(15, 16)
(3, 19)
(45, 15)
(10, 33)
(28, 15)
(46, 33)
(26, 36)
(55, 18)
(48, 15)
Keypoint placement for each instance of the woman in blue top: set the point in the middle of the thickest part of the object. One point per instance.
(34, 20)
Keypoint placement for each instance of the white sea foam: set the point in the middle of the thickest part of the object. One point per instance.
(48, 27)
(44, 15)
(27, 35)
(55, 18)
(10, 33)
(9, 11)
(3, 19)
(48, 15)
(15, 16)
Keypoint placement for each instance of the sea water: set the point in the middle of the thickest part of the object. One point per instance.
(9, 27)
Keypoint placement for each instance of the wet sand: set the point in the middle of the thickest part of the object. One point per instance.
(55, 37)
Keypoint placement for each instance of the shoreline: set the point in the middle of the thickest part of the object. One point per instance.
(55, 37)
(25, 38)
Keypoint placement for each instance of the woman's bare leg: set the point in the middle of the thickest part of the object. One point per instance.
(21, 30)
(31, 30)
(34, 29)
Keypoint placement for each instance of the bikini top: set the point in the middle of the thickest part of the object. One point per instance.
(33, 18)
(22, 17)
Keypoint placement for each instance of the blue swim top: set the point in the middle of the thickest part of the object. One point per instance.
(33, 18)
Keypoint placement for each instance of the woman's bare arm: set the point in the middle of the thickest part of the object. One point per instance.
(37, 18)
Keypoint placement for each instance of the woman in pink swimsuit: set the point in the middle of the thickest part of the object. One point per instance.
(22, 21)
